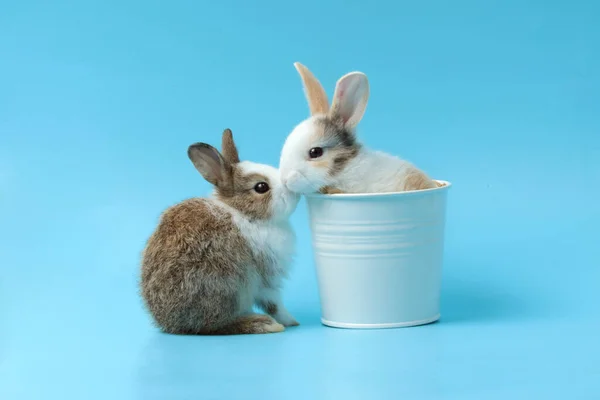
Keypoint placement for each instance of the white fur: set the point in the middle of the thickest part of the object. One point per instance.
(350, 98)
(282, 316)
(372, 172)
(284, 201)
(297, 173)
(369, 172)
(274, 238)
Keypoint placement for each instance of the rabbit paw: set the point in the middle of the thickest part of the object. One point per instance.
(330, 190)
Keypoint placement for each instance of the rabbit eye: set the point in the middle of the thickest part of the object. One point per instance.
(261, 187)
(315, 152)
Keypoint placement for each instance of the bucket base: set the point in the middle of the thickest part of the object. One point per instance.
(345, 325)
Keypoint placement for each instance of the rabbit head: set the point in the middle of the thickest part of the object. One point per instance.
(255, 190)
(320, 147)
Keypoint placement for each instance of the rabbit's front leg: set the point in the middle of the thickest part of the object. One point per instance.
(270, 301)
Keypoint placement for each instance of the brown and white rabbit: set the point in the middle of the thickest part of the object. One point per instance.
(210, 260)
(323, 154)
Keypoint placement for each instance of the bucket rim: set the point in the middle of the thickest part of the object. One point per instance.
(443, 186)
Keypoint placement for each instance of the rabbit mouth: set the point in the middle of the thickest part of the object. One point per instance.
(298, 183)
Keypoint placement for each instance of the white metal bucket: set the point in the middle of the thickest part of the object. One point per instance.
(379, 256)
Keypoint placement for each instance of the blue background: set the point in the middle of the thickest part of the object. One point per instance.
(100, 99)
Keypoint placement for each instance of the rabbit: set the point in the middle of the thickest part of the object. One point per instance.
(210, 260)
(322, 153)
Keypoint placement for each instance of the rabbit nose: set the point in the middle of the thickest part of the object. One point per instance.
(290, 178)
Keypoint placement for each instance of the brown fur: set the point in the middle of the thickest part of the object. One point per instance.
(332, 132)
(186, 284)
(272, 309)
(230, 153)
(330, 190)
(196, 261)
(417, 180)
(321, 163)
(341, 157)
(233, 187)
(340, 143)
(315, 94)
(250, 324)
(243, 197)
(269, 307)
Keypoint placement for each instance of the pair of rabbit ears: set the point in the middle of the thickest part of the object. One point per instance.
(349, 99)
(214, 166)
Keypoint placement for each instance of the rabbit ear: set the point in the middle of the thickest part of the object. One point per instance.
(350, 98)
(209, 162)
(315, 94)
(230, 153)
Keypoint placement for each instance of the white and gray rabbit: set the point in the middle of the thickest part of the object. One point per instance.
(210, 260)
(323, 154)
